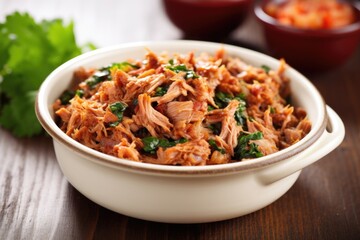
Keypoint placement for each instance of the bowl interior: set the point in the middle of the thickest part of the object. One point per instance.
(303, 94)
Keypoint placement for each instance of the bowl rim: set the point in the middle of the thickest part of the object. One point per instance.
(265, 18)
(212, 4)
(44, 116)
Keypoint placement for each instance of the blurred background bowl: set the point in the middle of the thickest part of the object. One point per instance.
(207, 19)
(309, 49)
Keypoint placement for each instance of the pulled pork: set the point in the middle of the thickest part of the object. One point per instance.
(182, 109)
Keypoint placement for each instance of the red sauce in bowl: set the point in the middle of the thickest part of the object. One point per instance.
(312, 14)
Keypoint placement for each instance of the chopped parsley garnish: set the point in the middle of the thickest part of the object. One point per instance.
(151, 144)
(67, 95)
(181, 68)
(215, 147)
(161, 91)
(172, 61)
(240, 113)
(266, 68)
(124, 66)
(79, 93)
(117, 108)
(245, 149)
(272, 109)
(191, 74)
(222, 100)
(97, 77)
(210, 108)
(104, 74)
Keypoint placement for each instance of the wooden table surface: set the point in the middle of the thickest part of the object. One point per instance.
(36, 201)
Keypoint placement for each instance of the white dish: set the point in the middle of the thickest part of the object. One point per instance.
(186, 194)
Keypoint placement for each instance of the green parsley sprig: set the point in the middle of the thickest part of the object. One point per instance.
(29, 51)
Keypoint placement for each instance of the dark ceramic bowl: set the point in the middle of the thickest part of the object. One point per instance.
(309, 50)
(207, 19)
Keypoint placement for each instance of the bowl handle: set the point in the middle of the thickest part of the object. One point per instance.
(328, 141)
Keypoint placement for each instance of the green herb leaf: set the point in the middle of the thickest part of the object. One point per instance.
(171, 61)
(114, 124)
(266, 68)
(97, 77)
(79, 93)
(182, 68)
(245, 149)
(239, 115)
(124, 66)
(224, 97)
(210, 108)
(215, 147)
(165, 143)
(151, 144)
(222, 100)
(272, 109)
(66, 96)
(104, 74)
(29, 51)
(117, 108)
(161, 91)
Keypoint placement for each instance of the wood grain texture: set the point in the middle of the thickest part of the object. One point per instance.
(36, 201)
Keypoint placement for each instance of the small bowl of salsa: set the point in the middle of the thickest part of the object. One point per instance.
(207, 19)
(311, 35)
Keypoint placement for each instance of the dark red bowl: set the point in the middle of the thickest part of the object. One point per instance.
(207, 19)
(309, 50)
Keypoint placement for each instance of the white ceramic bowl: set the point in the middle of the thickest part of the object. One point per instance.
(179, 194)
